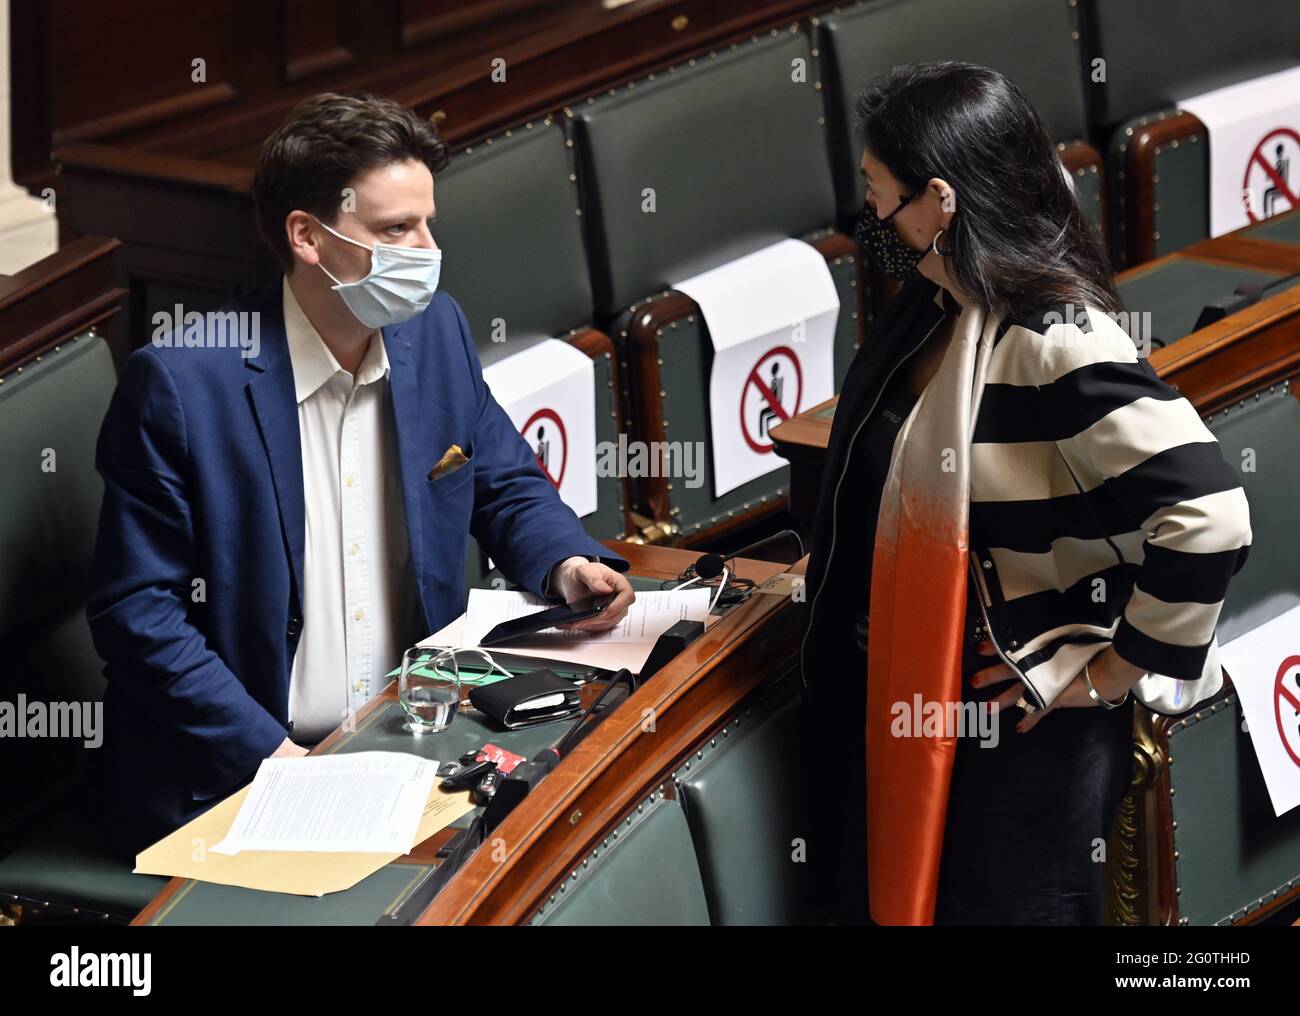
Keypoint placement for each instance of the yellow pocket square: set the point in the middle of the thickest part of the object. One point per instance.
(452, 459)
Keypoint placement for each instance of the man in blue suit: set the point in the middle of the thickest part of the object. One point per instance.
(290, 483)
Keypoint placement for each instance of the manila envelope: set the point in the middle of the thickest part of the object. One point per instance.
(186, 854)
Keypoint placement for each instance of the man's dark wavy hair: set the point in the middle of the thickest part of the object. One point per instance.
(1018, 239)
(320, 149)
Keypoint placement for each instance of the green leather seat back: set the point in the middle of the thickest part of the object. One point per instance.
(1087, 188)
(684, 353)
(731, 151)
(1264, 433)
(509, 226)
(1174, 293)
(1153, 55)
(1233, 852)
(1035, 44)
(748, 799)
(643, 873)
(59, 869)
(1160, 51)
(50, 415)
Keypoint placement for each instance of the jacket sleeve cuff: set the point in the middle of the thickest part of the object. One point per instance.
(1155, 657)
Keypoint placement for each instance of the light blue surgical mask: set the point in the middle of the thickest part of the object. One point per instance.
(401, 282)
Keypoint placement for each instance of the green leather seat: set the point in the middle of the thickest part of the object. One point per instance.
(748, 800)
(50, 415)
(508, 223)
(1035, 44)
(1175, 292)
(643, 873)
(733, 152)
(1233, 854)
(1155, 54)
(59, 870)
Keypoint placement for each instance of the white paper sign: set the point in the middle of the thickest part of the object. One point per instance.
(771, 316)
(549, 393)
(1254, 132)
(1264, 665)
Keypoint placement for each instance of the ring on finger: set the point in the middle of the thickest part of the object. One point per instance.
(1027, 706)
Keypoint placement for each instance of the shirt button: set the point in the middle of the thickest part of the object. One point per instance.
(988, 565)
(357, 686)
(295, 626)
(354, 548)
(348, 481)
(357, 616)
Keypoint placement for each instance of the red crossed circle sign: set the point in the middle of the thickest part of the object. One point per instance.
(766, 397)
(1261, 169)
(554, 417)
(1285, 700)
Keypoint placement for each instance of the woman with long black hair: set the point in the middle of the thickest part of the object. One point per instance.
(1021, 530)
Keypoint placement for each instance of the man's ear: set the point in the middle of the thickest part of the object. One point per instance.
(946, 197)
(301, 235)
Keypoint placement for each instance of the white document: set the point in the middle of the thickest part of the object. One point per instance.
(370, 801)
(1264, 665)
(549, 393)
(1254, 130)
(771, 317)
(628, 645)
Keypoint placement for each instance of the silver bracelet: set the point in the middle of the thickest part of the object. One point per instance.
(1092, 692)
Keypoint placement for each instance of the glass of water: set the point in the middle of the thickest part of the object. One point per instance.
(429, 689)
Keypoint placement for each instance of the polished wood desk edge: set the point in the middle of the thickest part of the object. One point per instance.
(651, 562)
(613, 769)
(804, 431)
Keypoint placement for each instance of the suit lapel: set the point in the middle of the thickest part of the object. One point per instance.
(275, 406)
(424, 431)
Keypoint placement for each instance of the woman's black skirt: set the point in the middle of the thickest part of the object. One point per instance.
(1028, 817)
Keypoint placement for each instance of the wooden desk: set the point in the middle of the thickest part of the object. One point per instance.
(1244, 247)
(615, 766)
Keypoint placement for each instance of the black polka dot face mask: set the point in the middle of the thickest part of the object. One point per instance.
(879, 242)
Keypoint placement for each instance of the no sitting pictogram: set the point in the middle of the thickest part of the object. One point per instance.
(1272, 181)
(1287, 700)
(772, 394)
(546, 435)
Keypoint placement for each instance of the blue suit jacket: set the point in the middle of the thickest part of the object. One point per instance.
(202, 470)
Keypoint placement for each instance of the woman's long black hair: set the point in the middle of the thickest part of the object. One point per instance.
(1018, 239)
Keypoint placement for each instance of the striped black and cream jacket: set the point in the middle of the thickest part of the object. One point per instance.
(1102, 511)
(1101, 508)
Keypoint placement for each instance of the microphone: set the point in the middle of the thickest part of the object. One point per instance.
(706, 566)
(710, 566)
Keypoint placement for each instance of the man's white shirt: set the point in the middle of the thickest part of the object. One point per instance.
(358, 591)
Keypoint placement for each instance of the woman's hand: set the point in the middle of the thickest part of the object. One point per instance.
(1111, 674)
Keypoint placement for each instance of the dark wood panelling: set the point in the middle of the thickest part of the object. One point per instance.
(315, 37)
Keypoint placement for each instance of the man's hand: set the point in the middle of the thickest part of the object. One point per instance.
(1111, 674)
(288, 749)
(576, 578)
